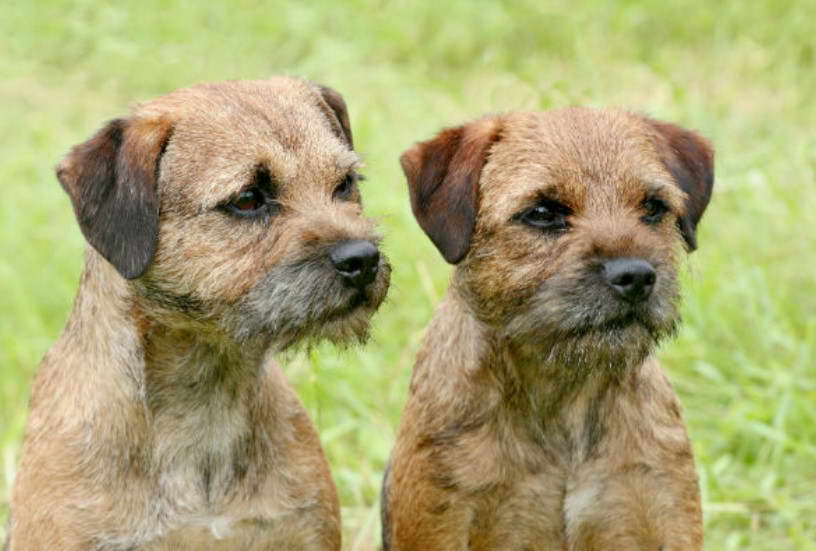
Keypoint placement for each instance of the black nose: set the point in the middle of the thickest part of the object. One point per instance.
(632, 278)
(356, 261)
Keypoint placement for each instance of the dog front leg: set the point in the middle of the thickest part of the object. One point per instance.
(425, 518)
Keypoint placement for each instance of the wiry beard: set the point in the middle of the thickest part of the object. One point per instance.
(581, 324)
(305, 302)
(608, 349)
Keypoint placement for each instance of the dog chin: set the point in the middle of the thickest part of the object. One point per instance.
(593, 349)
(343, 327)
(300, 304)
(612, 341)
(631, 323)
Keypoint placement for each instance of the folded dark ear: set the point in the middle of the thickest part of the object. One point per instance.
(443, 182)
(338, 113)
(111, 180)
(690, 160)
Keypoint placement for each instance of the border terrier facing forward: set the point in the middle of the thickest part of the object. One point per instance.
(225, 223)
(538, 417)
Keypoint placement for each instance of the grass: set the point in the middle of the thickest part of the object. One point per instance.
(741, 73)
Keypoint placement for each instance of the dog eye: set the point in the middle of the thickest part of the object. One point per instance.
(548, 215)
(347, 187)
(255, 201)
(249, 200)
(654, 209)
(251, 203)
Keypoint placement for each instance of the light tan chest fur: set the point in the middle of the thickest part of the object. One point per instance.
(626, 482)
(207, 476)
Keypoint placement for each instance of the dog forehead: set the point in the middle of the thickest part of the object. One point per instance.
(576, 155)
(286, 110)
(223, 131)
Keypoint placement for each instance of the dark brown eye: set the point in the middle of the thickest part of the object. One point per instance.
(547, 215)
(249, 200)
(251, 203)
(257, 201)
(346, 188)
(654, 210)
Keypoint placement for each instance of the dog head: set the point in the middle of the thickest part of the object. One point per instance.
(235, 206)
(565, 226)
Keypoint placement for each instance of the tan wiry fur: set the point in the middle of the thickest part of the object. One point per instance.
(537, 418)
(158, 419)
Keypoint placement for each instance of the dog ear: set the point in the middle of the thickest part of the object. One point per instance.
(690, 160)
(443, 182)
(339, 113)
(111, 180)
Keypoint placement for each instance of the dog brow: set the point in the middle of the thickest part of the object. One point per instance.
(654, 185)
(348, 160)
(550, 191)
(665, 189)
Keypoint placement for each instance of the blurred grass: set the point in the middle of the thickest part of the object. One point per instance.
(741, 73)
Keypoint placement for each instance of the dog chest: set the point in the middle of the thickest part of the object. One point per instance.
(288, 529)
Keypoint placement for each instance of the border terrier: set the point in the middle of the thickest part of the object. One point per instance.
(224, 224)
(538, 417)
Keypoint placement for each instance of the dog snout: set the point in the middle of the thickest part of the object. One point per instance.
(631, 278)
(356, 261)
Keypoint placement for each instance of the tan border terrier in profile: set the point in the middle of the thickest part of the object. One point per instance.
(224, 223)
(538, 416)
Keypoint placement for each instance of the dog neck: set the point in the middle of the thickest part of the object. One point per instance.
(500, 373)
(117, 328)
(179, 405)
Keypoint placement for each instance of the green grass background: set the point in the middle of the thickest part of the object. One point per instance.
(741, 73)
